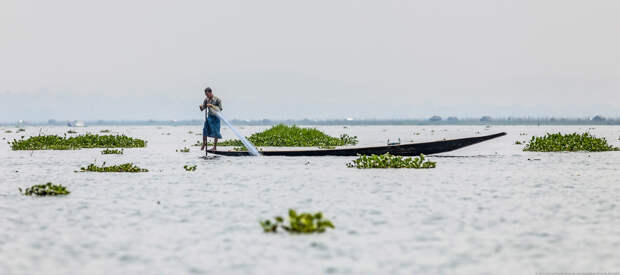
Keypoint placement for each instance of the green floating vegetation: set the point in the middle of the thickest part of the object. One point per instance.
(127, 168)
(71, 132)
(20, 130)
(184, 150)
(190, 168)
(518, 142)
(298, 223)
(112, 152)
(54, 142)
(243, 149)
(8, 131)
(104, 131)
(568, 143)
(389, 161)
(47, 189)
(293, 136)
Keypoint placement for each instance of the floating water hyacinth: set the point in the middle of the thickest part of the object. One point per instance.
(184, 150)
(293, 136)
(8, 131)
(190, 168)
(389, 161)
(47, 189)
(104, 131)
(518, 142)
(54, 142)
(71, 132)
(20, 130)
(568, 143)
(127, 168)
(303, 223)
(112, 152)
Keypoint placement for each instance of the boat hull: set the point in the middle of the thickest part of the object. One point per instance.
(412, 149)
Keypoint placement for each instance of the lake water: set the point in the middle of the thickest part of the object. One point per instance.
(486, 209)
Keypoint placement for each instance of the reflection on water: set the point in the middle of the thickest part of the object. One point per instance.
(484, 209)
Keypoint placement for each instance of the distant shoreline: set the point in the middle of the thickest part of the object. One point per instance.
(344, 122)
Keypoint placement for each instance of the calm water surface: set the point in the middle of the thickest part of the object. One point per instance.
(486, 209)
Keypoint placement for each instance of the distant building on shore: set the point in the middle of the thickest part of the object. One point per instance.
(76, 123)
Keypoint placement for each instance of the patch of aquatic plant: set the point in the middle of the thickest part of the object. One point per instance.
(199, 143)
(243, 149)
(104, 131)
(568, 143)
(389, 161)
(20, 130)
(190, 168)
(293, 136)
(54, 142)
(112, 152)
(47, 189)
(518, 142)
(127, 167)
(304, 223)
(8, 131)
(71, 132)
(184, 150)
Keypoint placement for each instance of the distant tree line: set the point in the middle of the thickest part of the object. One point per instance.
(433, 120)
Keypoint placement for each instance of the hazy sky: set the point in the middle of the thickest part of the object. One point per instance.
(77, 59)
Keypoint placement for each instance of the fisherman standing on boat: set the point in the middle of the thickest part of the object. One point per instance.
(212, 122)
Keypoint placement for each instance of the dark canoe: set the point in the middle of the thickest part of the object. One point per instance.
(412, 149)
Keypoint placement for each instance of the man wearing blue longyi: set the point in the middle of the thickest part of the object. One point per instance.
(212, 122)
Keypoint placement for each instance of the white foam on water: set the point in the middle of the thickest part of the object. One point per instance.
(251, 149)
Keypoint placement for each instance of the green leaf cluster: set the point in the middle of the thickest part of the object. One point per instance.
(184, 150)
(568, 143)
(190, 168)
(112, 152)
(55, 142)
(304, 223)
(389, 161)
(127, 167)
(47, 189)
(293, 136)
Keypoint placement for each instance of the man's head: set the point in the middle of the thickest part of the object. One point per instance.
(208, 92)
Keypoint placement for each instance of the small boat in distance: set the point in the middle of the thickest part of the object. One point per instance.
(412, 149)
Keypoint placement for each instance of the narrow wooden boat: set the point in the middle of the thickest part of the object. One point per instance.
(412, 149)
